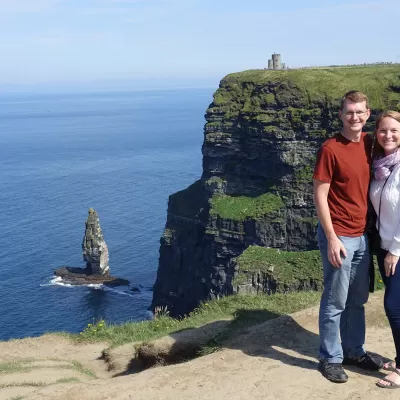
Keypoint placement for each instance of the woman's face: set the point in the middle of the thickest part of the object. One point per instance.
(388, 135)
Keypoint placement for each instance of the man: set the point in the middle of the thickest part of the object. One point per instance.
(341, 179)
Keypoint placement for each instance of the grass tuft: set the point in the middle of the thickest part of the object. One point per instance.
(22, 384)
(16, 366)
(66, 380)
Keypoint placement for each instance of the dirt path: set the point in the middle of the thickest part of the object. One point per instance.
(274, 360)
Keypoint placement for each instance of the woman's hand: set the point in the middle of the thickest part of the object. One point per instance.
(390, 263)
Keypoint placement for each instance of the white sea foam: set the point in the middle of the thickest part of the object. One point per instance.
(95, 285)
(115, 290)
(57, 281)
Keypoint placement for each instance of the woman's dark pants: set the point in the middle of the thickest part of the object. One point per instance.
(392, 300)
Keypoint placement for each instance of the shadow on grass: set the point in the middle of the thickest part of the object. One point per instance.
(248, 333)
(257, 333)
(282, 339)
(177, 347)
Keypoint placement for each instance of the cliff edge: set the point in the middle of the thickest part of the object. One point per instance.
(249, 223)
(272, 360)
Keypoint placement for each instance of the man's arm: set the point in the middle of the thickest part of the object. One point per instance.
(335, 246)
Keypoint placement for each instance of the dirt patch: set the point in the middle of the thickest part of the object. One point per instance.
(275, 360)
(40, 377)
(119, 360)
(179, 346)
(55, 348)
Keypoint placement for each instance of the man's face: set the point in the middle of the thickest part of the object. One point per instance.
(354, 116)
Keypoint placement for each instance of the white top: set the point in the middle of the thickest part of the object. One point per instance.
(390, 210)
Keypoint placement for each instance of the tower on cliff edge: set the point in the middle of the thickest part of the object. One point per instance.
(275, 62)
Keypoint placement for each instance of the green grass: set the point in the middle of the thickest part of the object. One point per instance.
(36, 384)
(16, 366)
(22, 384)
(242, 310)
(284, 266)
(304, 174)
(328, 83)
(25, 365)
(378, 279)
(241, 207)
(78, 367)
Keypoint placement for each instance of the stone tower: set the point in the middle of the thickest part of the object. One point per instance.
(94, 247)
(276, 61)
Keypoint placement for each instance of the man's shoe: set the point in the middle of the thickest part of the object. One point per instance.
(332, 371)
(368, 361)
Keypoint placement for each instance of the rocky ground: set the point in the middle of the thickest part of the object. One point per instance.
(274, 360)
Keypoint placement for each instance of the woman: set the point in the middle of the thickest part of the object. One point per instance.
(385, 197)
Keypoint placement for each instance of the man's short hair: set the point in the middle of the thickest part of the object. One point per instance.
(355, 97)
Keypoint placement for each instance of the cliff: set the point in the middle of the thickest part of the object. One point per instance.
(261, 136)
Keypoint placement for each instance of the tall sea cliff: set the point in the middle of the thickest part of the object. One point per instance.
(252, 209)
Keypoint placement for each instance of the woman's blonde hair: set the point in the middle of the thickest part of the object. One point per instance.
(377, 149)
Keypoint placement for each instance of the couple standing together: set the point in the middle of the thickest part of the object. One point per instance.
(342, 184)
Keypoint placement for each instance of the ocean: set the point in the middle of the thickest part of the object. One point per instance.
(60, 154)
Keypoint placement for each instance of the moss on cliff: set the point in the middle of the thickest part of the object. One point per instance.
(380, 82)
(240, 207)
(283, 266)
(304, 174)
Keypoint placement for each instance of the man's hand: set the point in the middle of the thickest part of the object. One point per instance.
(335, 249)
(390, 263)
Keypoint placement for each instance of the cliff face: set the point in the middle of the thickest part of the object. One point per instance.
(261, 136)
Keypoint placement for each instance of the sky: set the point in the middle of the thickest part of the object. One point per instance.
(185, 42)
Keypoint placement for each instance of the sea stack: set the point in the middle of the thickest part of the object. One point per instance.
(95, 253)
(94, 247)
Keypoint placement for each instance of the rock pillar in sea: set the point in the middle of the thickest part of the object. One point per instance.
(94, 247)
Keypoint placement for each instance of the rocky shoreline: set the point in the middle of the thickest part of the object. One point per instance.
(84, 276)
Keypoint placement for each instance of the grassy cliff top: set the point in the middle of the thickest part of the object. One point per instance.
(241, 207)
(283, 265)
(380, 82)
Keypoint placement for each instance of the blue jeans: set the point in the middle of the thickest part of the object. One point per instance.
(346, 290)
(392, 300)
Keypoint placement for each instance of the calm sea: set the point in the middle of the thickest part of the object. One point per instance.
(122, 154)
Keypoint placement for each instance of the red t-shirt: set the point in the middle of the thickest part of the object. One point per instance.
(346, 166)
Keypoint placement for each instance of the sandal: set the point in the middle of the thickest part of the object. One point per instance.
(392, 385)
(391, 366)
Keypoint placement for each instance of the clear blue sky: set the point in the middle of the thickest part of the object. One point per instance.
(48, 41)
